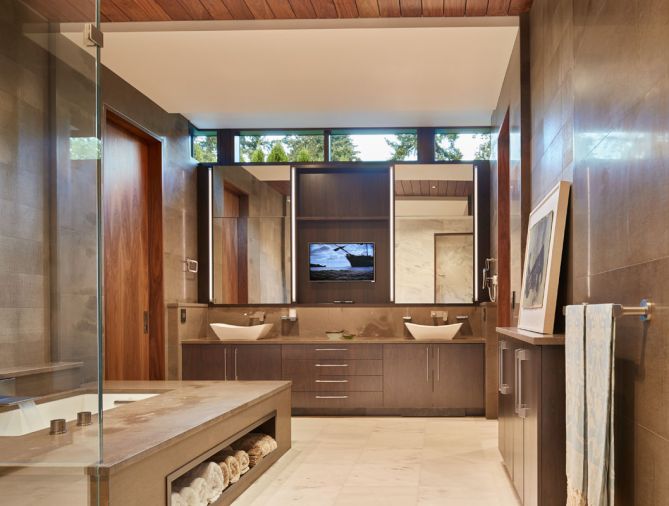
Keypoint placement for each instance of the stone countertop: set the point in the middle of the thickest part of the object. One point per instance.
(533, 338)
(139, 429)
(325, 340)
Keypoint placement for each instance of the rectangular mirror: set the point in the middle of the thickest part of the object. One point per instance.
(251, 234)
(434, 233)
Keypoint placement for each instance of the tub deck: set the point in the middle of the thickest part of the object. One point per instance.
(146, 441)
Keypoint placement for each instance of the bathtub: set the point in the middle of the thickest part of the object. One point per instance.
(30, 417)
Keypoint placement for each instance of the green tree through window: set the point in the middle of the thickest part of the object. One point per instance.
(205, 148)
(277, 154)
(403, 146)
(446, 150)
(343, 149)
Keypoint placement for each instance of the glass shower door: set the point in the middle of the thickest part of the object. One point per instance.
(49, 244)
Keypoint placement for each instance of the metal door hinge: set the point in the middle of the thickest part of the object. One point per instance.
(146, 322)
(93, 36)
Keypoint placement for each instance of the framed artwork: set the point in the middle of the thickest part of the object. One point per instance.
(543, 254)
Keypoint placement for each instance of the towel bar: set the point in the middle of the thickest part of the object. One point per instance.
(644, 310)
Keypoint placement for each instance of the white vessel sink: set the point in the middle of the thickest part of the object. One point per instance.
(227, 332)
(427, 332)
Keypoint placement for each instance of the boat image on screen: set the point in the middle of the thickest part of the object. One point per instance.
(341, 261)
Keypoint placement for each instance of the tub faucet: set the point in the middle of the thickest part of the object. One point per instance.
(13, 401)
(258, 315)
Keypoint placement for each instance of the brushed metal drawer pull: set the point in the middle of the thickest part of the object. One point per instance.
(332, 397)
(331, 349)
(331, 381)
(331, 365)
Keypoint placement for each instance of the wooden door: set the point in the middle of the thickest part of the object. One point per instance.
(407, 376)
(126, 255)
(459, 376)
(230, 253)
(255, 362)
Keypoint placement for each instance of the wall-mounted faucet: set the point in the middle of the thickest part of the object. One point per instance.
(439, 315)
(406, 319)
(466, 325)
(259, 316)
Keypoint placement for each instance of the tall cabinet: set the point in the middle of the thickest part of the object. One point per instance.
(532, 414)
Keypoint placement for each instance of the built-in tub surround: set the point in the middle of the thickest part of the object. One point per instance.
(144, 441)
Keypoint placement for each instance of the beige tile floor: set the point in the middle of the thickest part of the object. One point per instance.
(387, 461)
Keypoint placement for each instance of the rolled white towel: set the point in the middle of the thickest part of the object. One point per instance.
(213, 476)
(243, 460)
(225, 470)
(190, 497)
(177, 500)
(201, 488)
(233, 465)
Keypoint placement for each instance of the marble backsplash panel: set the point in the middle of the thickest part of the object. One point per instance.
(367, 321)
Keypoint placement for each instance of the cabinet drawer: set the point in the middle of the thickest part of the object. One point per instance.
(338, 384)
(337, 399)
(330, 367)
(326, 350)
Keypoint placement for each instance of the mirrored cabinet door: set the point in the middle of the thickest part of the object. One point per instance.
(250, 235)
(434, 233)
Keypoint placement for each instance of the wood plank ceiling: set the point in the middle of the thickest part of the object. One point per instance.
(433, 188)
(199, 10)
(188, 10)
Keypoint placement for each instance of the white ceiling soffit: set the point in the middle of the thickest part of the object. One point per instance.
(403, 172)
(318, 77)
(445, 172)
(432, 208)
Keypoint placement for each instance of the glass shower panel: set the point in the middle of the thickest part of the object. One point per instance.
(49, 282)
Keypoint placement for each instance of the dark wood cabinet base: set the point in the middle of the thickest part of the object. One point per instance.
(356, 379)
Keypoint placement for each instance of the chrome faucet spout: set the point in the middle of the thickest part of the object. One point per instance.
(258, 315)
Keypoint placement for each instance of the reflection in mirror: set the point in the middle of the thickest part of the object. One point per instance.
(434, 242)
(251, 235)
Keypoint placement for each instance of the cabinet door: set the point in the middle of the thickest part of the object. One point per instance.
(407, 376)
(529, 377)
(254, 362)
(459, 376)
(505, 402)
(203, 361)
(517, 425)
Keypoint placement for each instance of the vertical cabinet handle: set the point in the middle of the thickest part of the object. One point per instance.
(438, 362)
(503, 387)
(236, 364)
(427, 364)
(520, 356)
(225, 364)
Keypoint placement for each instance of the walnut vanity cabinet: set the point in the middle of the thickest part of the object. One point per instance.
(531, 399)
(243, 362)
(444, 377)
(384, 378)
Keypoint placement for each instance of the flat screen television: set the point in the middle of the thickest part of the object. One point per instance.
(342, 261)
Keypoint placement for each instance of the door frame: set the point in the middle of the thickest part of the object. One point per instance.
(154, 197)
(504, 310)
(441, 234)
